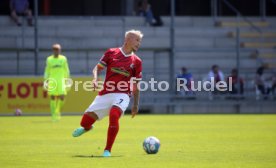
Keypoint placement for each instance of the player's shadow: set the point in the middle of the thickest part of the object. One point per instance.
(93, 156)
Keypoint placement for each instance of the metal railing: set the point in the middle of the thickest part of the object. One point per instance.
(262, 8)
(239, 16)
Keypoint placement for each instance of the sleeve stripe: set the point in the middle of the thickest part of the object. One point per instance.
(102, 64)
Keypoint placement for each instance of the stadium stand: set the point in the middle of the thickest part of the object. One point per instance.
(200, 43)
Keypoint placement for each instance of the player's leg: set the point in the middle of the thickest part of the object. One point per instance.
(61, 92)
(60, 103)
(120, 104)
(53, 91)
(53, 104)
(87, 121)
(113, 128)
(98, 109)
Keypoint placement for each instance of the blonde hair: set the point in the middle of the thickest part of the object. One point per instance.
(136, 32)
(57, 46)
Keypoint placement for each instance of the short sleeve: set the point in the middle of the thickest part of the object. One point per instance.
(138, 70)
(104, 61)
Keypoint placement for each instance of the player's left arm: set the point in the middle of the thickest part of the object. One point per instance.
(96, 72)
(136, 91)
(102, 64)
(66, 69)
(136, 98)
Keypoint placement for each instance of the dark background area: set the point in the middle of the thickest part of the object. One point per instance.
(161, 7)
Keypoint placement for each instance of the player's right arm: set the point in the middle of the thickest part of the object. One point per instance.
(99, 68)
(96, 71)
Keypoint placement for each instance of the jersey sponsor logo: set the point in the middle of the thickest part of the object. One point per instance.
(120, 71)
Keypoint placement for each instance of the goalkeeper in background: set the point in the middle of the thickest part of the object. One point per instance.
(56, 71)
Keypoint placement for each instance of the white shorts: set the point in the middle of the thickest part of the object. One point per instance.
(102, 104)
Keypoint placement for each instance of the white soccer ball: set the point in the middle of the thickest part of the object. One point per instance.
(151, 145)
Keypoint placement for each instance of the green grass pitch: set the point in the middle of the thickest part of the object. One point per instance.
(245, 141)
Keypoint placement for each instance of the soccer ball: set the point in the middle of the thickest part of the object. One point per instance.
(18, 112)
(151, 145)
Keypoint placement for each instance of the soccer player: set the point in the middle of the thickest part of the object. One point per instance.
(56, 71)
(122, 67)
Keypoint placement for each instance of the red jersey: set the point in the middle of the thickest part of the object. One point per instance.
(120, 69)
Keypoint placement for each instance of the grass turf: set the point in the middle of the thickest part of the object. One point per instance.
(245, 141)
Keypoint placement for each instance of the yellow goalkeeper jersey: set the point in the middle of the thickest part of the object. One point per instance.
(56, 71)
(56, 67)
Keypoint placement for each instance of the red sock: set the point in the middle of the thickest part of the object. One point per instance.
(114, 115)
(87, 121)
